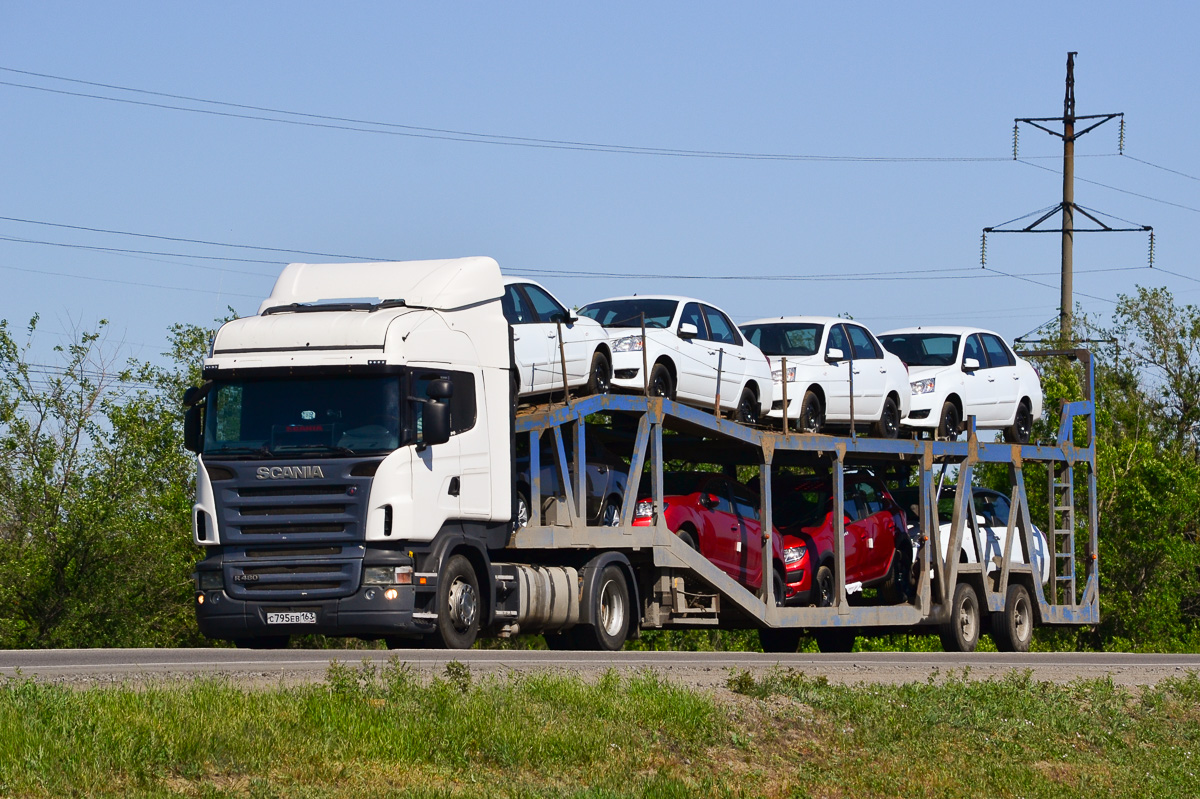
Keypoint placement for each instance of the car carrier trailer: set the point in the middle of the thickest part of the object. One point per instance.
(414, 544)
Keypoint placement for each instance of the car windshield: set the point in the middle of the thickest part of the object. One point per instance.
(313, 416)
(786, 339)
(628, 313)
(923, 349)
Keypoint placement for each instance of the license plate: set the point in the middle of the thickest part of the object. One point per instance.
(300, 617)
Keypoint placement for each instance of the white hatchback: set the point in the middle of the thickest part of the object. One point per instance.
(691, 351)
(821, 351)
(958, 372)
(545, 334)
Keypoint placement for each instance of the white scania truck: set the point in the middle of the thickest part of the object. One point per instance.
(358, 443)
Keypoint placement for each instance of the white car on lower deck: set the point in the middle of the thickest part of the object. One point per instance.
(818, 351)
(958, 372)
(690, 348)
(539, 321)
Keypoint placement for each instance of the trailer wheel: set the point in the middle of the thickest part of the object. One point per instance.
(835, 639)
(661, 384)
(888, 425)
(1022, 425)
(823, 587)
(812, 415)
(610, 613)
(961, 632)
(776, 639)
(600, 380)
(950, 424)
(747, 407)
(1012, 628)
(458, 605)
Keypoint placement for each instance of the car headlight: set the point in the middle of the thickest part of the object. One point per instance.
(628, 344)
(793, 554)
(643, 509)
(923, 386)
(777, 375)
(210, 580)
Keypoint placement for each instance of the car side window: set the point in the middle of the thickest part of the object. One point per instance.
(973, 349)
(548, 309)
(691, 313)
(721, 492)
(837, 341)
(1000, 510)
(853, 506)
(516, 308)
(864, 347)
(998, 354)
(720, 328)
(746, 507)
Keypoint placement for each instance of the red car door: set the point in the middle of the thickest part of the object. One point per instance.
(749, 545)
(722, 528)
(875, 531)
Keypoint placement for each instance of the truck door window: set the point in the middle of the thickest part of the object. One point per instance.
(462, 402)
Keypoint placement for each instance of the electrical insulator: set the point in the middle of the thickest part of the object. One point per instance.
(1151, 249)
(1121, 139)
(983, 251)
(1016, 139)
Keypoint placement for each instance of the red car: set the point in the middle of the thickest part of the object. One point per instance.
(719, 518)
(878, 548)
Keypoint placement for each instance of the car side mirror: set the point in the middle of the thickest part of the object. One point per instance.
(708, 501)
(970, 364)
(192, 429)
(687, 330)
(833, 355)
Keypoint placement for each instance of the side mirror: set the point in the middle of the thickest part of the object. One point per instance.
(435, 423)
(708, 500)
(970, 364)
(440, 389)
(190, 395)
(192, 428)
(688, 331)
(833, 355)
(981, 521)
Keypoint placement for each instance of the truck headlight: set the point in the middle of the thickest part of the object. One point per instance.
(793, 554)
(210, 580)
(923, 386)
(777, 375)
(387, 575)
(628, 344)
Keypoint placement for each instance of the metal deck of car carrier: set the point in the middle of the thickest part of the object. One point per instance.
(688, 591)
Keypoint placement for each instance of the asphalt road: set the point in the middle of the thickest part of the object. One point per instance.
(698, 669)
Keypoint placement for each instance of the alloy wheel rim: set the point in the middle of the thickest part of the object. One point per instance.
(612, 608)
(464, 604)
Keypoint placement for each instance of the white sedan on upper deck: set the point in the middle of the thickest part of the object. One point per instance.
(691, 349)
(545, 334)
(958, 372)
(820, 352)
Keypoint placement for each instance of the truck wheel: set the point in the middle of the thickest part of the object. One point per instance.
(458, 605)
(776, 639)
(610, 613)
(812, 415)
(961, 632)
(950, 424)
(1012, 628)
(661, 384)
(600, 379)
(888, 425)
(747, 407)
(835, 639)
(1022, 425)
(263, 642)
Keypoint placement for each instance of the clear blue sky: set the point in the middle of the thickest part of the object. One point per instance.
(864, 79)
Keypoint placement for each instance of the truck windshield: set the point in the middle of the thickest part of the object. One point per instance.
(309, 417)
(628, 313)
(785, 339)
(923, 349)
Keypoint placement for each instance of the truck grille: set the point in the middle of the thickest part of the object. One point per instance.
(289, 574)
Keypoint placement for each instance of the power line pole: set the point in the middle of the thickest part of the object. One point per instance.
(1067, 206)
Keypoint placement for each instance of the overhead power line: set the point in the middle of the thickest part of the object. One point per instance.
(445, 134)
(1113, 188)
(1163, 168)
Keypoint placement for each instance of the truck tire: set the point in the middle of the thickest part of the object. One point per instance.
(459, 605)
(961, 632)
(1012, 628)
(610, 613)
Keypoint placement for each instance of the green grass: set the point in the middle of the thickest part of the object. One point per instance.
(371, 733)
